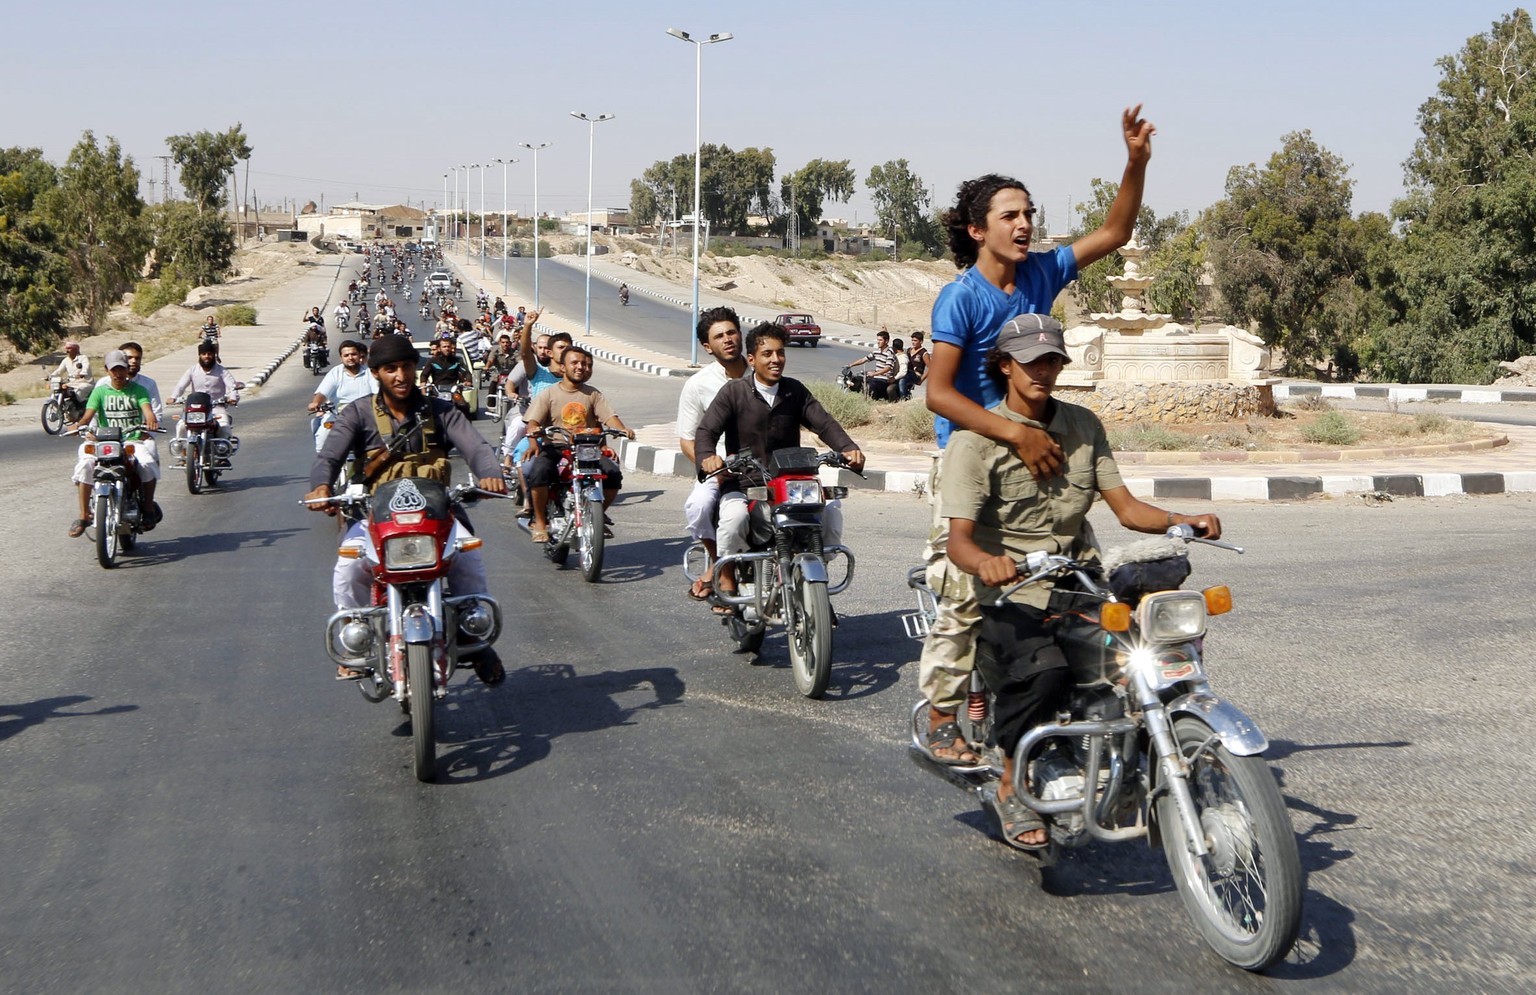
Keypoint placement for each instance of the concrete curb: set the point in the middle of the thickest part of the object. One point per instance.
(1405, 392)
(672, 463)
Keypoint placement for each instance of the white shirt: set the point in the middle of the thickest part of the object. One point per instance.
(149, 385)
(698, 393)
(74, 370)
(341, 388)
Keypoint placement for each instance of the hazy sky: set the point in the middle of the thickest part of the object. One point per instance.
(380, 99)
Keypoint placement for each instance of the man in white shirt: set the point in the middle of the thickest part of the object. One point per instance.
(719, 332)
(215, 381)
(76, 371)
(341, 385)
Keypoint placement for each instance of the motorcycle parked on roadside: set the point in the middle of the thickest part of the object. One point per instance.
(117, 505)
(1142, 746)
(409, 641)
(62, 407)
(206, 454)
(575, 511)
(783, 579)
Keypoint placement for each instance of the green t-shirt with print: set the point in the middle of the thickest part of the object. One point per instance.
(118, 408)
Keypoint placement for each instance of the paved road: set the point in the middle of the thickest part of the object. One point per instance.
(191, 804)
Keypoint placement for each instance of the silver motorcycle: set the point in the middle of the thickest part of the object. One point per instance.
(1143, 747)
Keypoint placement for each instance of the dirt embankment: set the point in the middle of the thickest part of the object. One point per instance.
(257, 269)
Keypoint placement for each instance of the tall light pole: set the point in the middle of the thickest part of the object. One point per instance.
(453, 213)
(440, 213)
(698, 102)
(535, 150)
(482, 169)
(504, 164)
(592, 123)
(464, 203)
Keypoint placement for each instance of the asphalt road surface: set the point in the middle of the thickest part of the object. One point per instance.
(190, 803)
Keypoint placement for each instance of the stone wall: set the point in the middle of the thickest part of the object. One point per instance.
(1184, 403)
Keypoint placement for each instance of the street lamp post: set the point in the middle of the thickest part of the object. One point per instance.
(592, 123)
(439, 217)
(535, 150)
(698, 101)
(463, 203)
(453, 211)
(482, 168)
(504, 164)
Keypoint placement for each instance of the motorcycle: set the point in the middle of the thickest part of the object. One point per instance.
(62, 408)
(575, 511)
(116, 494)
(316, 357)
(496, 400)
(1143, 747)
(210, 336)
(783, 579)
(425, 310)
(624, 296)
(858, 383)
(205, 453)
(409, 641)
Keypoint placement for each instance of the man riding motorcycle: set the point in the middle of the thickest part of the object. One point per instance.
(343, 384)
(75, 370)
(118, 403)
(405, 434)
(218, 383)
(762, 412)
(445, 371)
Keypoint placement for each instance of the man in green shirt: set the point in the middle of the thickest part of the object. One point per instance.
(118, 403)
(999, 512)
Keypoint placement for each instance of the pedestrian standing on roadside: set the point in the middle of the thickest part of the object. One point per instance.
(990, 229)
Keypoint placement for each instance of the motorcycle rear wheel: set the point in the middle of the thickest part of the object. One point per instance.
(499, 410)
(53, 417)
(106, 532)
(418, 679)
(810, 635)
(1245, 895)
(591, 541)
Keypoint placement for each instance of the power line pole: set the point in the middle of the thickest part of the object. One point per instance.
(165, 182)
(794, 220)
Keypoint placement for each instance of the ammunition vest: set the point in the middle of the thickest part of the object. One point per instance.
(426, 455)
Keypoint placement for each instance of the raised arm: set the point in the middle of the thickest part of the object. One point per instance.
(1120, 223)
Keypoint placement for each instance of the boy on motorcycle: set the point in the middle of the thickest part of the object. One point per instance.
(998, 513)
(118, 403)
(342, 385)
(405, 434)
(719, 332)
(763, 412)
(575, 407)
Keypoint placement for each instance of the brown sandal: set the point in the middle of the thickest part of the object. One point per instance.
(77, 528)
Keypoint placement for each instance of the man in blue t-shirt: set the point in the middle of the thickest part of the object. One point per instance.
(990, 229)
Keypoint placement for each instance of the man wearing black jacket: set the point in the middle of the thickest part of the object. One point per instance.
(762, 412)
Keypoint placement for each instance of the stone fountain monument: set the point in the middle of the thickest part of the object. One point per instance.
(1131, 365)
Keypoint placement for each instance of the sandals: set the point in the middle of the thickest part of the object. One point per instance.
(607, 532)
(1016, 819)
(700, 593)
(77, 527)
(344, 673)
(489, 669)
(944, 736)
(539, 535)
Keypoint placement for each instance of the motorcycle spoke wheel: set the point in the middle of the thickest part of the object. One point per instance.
(810, 635)
(1245, 893)
(106, 532)
(592, 541)
(418, 679)
(194, 472)
(53, 417)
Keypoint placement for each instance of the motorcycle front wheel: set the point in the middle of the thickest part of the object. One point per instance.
(418, 679)
(194, 471)
(1245, 894)
(106, 531)
(591, 540)
(810, 635)
(53, 417)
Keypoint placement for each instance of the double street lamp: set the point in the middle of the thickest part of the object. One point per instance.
(504, 163)
(698, 94)
(592, 123)
(535, 150)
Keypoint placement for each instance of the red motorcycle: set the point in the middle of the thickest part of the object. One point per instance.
(576, 499)
(410, 641)
(784, 579)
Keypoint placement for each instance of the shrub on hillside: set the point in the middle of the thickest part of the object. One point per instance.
(152, 295)
(1332, 428)
(850, 410)
(913, 422)
(235, 314)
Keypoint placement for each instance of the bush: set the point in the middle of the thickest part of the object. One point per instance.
(1431, 424)
(1150, 439)
(850, 410)
(1311, 402)
(235, 314)
(7, 399)
(913, 422)
(152, 295)
(1332, 428)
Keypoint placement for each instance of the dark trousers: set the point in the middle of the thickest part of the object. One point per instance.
(1024, 669)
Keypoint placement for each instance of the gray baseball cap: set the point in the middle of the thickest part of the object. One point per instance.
(1027, 337)
(116, 358)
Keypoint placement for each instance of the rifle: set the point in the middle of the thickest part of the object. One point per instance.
(395, 447)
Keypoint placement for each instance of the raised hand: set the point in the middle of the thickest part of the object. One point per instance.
(1138, 135)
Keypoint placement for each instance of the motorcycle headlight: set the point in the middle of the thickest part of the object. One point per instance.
(802, 492)
(1173, 616)
(410, 552)
(197, 417)
(589, 454)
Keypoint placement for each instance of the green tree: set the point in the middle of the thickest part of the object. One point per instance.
(901, 201)
(200, 250)
(97, 213)
(1179, 266)
(812, 185)
(1282, 244)
(190, 246)
(34, 278)
(1091, 290)
(1462, 290)
(206, 160)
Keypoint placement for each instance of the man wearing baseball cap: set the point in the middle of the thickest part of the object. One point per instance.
(118, 403)
(998, 513)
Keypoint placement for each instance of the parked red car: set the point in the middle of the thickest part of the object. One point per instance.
(799, 329)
